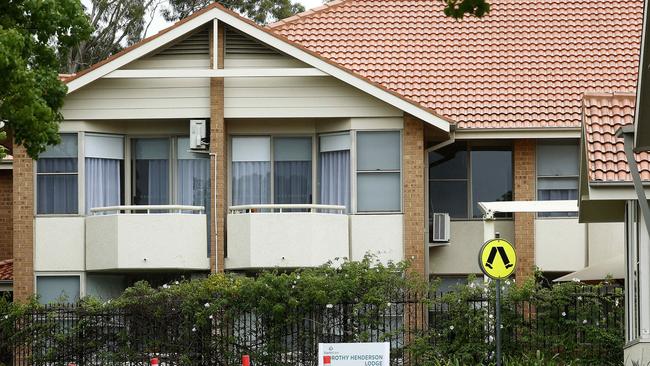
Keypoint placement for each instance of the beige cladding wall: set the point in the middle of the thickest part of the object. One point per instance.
(460, 256)
(606, 240)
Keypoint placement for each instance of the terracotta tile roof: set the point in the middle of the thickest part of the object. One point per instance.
(525, 65)
(604, 114)
(7, 270)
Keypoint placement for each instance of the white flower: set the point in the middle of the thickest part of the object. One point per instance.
(584, 321)
(471, 285)
(490, 338)
(194, 329)
(176, 282)
(298, 277)
(451, 327)
(293, 286)
(207, 305)
(576, 280)
(211, 317)
(507, 282)
(6, 316)
(616, 303)
(579, 298)
(501, 326)
(329, 306)
(165, 286)
(491, 316)
(389, 304)
(563, 313)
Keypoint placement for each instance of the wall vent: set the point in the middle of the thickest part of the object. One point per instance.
(196, 44)
(238, 43)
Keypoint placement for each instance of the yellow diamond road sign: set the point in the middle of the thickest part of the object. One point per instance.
(497, 259)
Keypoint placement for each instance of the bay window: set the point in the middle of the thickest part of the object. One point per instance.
(462, 175)
(57, 178)
(379, 171)
(557, 173)
(334, 170)
(151, 171)
(104, 169)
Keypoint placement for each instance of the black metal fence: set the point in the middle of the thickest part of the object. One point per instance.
(59, 335)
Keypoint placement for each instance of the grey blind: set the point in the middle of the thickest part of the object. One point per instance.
(378, 150)
(57, 289)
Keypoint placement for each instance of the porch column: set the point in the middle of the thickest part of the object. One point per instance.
(218, 162)
(413, 194)
(23, 224)
(524, 190)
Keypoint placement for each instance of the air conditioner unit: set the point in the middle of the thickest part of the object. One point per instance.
(198, 135)
(440, 230)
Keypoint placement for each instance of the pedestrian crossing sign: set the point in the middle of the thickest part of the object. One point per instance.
(497, 259)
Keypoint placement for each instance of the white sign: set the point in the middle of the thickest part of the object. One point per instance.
(354, 354)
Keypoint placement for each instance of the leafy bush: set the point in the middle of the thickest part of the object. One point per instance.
(565, 323)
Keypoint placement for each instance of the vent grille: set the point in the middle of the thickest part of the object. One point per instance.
(196, 44)
(238, 43)
(440, 229)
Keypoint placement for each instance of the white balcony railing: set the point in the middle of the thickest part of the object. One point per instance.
(281, 208)
(149, 209)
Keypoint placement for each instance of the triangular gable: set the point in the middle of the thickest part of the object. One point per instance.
(215, 11)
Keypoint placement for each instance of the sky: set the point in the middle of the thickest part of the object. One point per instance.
(159, 23)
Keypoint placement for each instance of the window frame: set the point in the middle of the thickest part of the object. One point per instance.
(81, 204)
(272, 136)
(538, 177)
(469, 145)
(354, 187)
(80, 274)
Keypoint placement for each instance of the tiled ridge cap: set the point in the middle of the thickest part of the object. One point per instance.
(307, 13)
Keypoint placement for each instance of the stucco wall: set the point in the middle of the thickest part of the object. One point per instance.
(606, 240)
(560, 244)
(460, 256)
(59, 244)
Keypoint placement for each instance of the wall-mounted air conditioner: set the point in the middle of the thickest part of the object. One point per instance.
(440, 228)
(198, 134)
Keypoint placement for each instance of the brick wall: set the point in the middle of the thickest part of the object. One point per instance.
(6, 219)
(219, 164)
(524, 190)
(413, 193)
(23, 224)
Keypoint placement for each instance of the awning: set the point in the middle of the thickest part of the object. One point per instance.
(611, 268)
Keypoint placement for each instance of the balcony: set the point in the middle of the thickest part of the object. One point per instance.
(147, 238)
(286, 236)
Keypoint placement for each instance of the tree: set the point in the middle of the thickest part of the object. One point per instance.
(261, 11)
(31, 93)
(117, 24)
(457, 9)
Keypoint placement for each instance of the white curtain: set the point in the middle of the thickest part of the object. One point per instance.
(251, 182)
(335, 178)
(194, 182)
(103, 183)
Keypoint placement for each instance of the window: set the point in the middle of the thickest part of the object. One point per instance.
(251, 170)
(462, 175)
(557, 173)
(151, 171)
(57, 178)
(379, 171)
(193, 179)
(291, 169)
(491, 177)
(335, 170)
(57, 289)
(104, 158)
(292, 173)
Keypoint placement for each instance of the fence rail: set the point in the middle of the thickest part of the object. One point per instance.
(58, 335)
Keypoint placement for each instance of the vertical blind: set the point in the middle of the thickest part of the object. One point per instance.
(292, 170)
(251, 170)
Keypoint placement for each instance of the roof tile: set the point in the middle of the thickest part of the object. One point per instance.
(7, 270)
(526, 64)
(604, 114)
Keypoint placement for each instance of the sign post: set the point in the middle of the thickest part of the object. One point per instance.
(497, 259)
